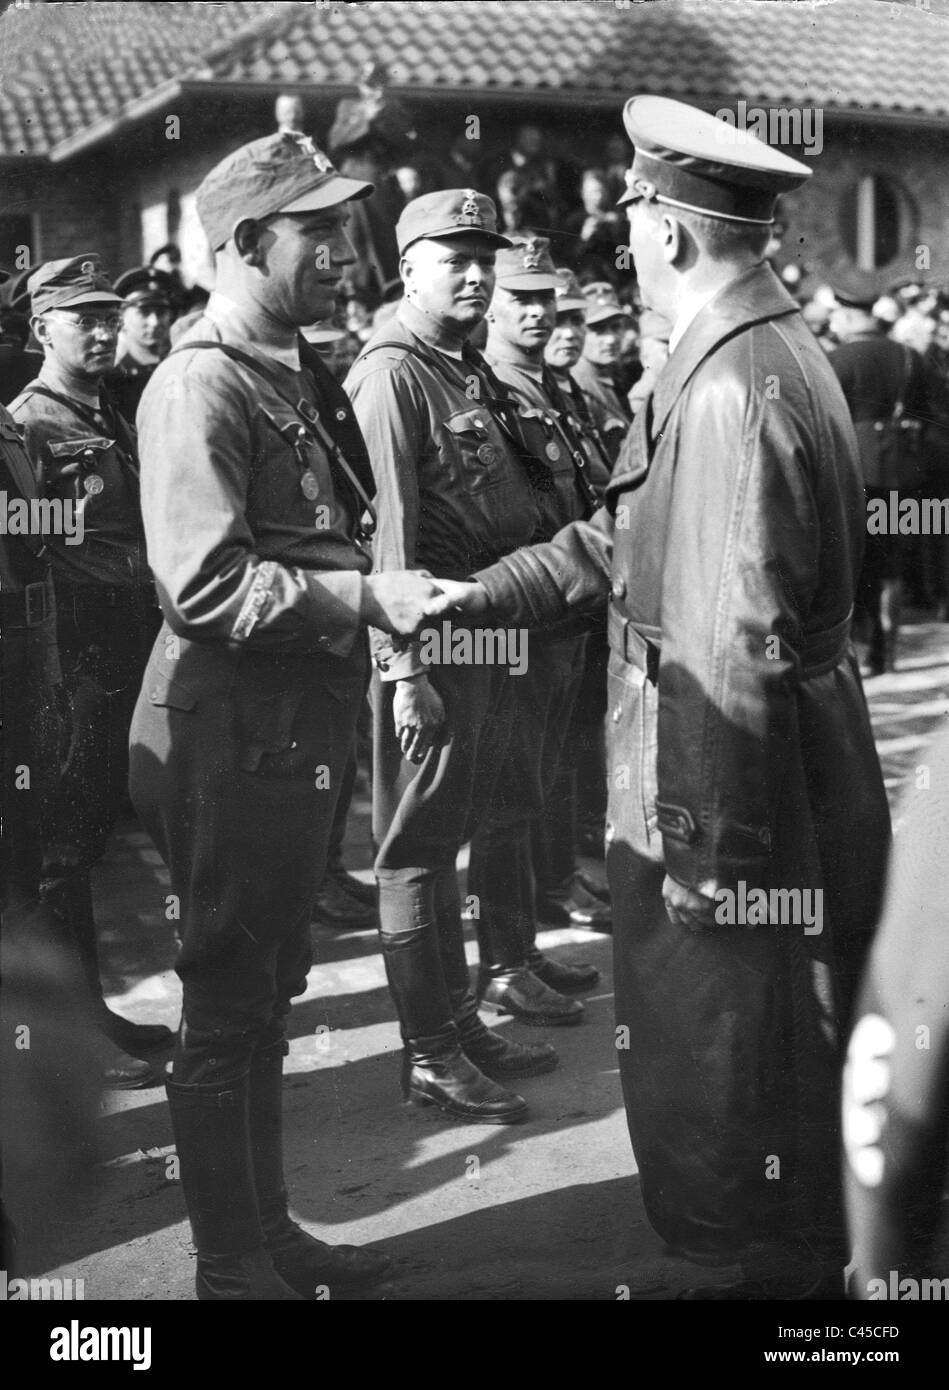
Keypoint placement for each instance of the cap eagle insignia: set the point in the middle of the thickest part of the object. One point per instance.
(307, 146)
(469, 208)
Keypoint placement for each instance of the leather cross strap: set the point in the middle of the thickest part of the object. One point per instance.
(114, 422)
(303, 411)
(498, 396)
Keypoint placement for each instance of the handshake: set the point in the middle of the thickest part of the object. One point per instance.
(400, 601)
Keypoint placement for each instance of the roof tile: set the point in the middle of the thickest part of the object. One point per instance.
(77, 65)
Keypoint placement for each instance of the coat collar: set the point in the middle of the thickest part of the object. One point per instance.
(755, 295)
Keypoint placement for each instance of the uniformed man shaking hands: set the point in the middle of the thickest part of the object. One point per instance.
(255, 490)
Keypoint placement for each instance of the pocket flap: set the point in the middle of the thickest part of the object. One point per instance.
(72, 448)
(468, 422)
(171, 694)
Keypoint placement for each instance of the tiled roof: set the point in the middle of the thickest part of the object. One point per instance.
(64, 69)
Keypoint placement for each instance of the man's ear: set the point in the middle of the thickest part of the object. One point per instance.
(406, 271)
(39, 329)
(672, 239)
(247, 237)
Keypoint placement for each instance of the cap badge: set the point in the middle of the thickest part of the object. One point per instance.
(532, 256)
(88, 267)
(469, 208)
(324, 165)
(643, 187)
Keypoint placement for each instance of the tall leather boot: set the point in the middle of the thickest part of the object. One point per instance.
(496, 1056)
(212, 1138)
(300, 1259)
(435, 1070)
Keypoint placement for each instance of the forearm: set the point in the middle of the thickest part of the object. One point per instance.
(541, 585)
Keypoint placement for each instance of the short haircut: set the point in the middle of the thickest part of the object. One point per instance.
(721, 240)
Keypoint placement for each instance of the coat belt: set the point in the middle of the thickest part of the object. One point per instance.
(814, 655)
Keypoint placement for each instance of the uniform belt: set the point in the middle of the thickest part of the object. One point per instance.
(814, 655)
(26, 607)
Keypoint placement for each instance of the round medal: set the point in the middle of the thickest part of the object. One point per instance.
(487, 453)
(552, 451)
(93, 484)
(309, 486)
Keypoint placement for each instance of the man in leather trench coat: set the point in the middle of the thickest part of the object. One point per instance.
(741, 753)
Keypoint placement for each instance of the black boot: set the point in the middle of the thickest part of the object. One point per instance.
(435, 1071)
(496, 1056)
(212, 1138)
(304, 1262)
(562, 976)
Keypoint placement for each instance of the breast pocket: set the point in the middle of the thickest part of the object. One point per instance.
(76, 466)
(480, 456)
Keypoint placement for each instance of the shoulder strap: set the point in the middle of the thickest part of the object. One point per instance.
(309, 417)
(119, 426)
(80, 411)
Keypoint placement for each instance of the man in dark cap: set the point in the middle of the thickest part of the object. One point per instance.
(605, 319)
(256, 493)
(515, 978)
(457, 489)
(84, 453)
(147, 312)
(886, 389)
(18, 363)
(748, 823)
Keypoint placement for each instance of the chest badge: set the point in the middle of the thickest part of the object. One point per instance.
(552, 450)
(310, 486)
(487, 453)
(93, 484)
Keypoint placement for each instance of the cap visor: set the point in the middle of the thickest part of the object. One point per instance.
(526, 281)
(327, 195)
(442, 234)
(604, 314)
(570, 306)
(322, 336)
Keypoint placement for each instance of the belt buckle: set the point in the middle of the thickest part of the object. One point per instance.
(34, 603)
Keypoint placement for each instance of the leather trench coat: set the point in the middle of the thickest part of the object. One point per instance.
(740, 751)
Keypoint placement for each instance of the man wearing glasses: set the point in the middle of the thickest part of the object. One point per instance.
(84, 455)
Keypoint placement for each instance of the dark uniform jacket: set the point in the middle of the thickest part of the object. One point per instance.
(876, 374)
(552, 434)
(741, 751)
(451, 494)
(92, 462)
(29, 667)
(609, 411)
